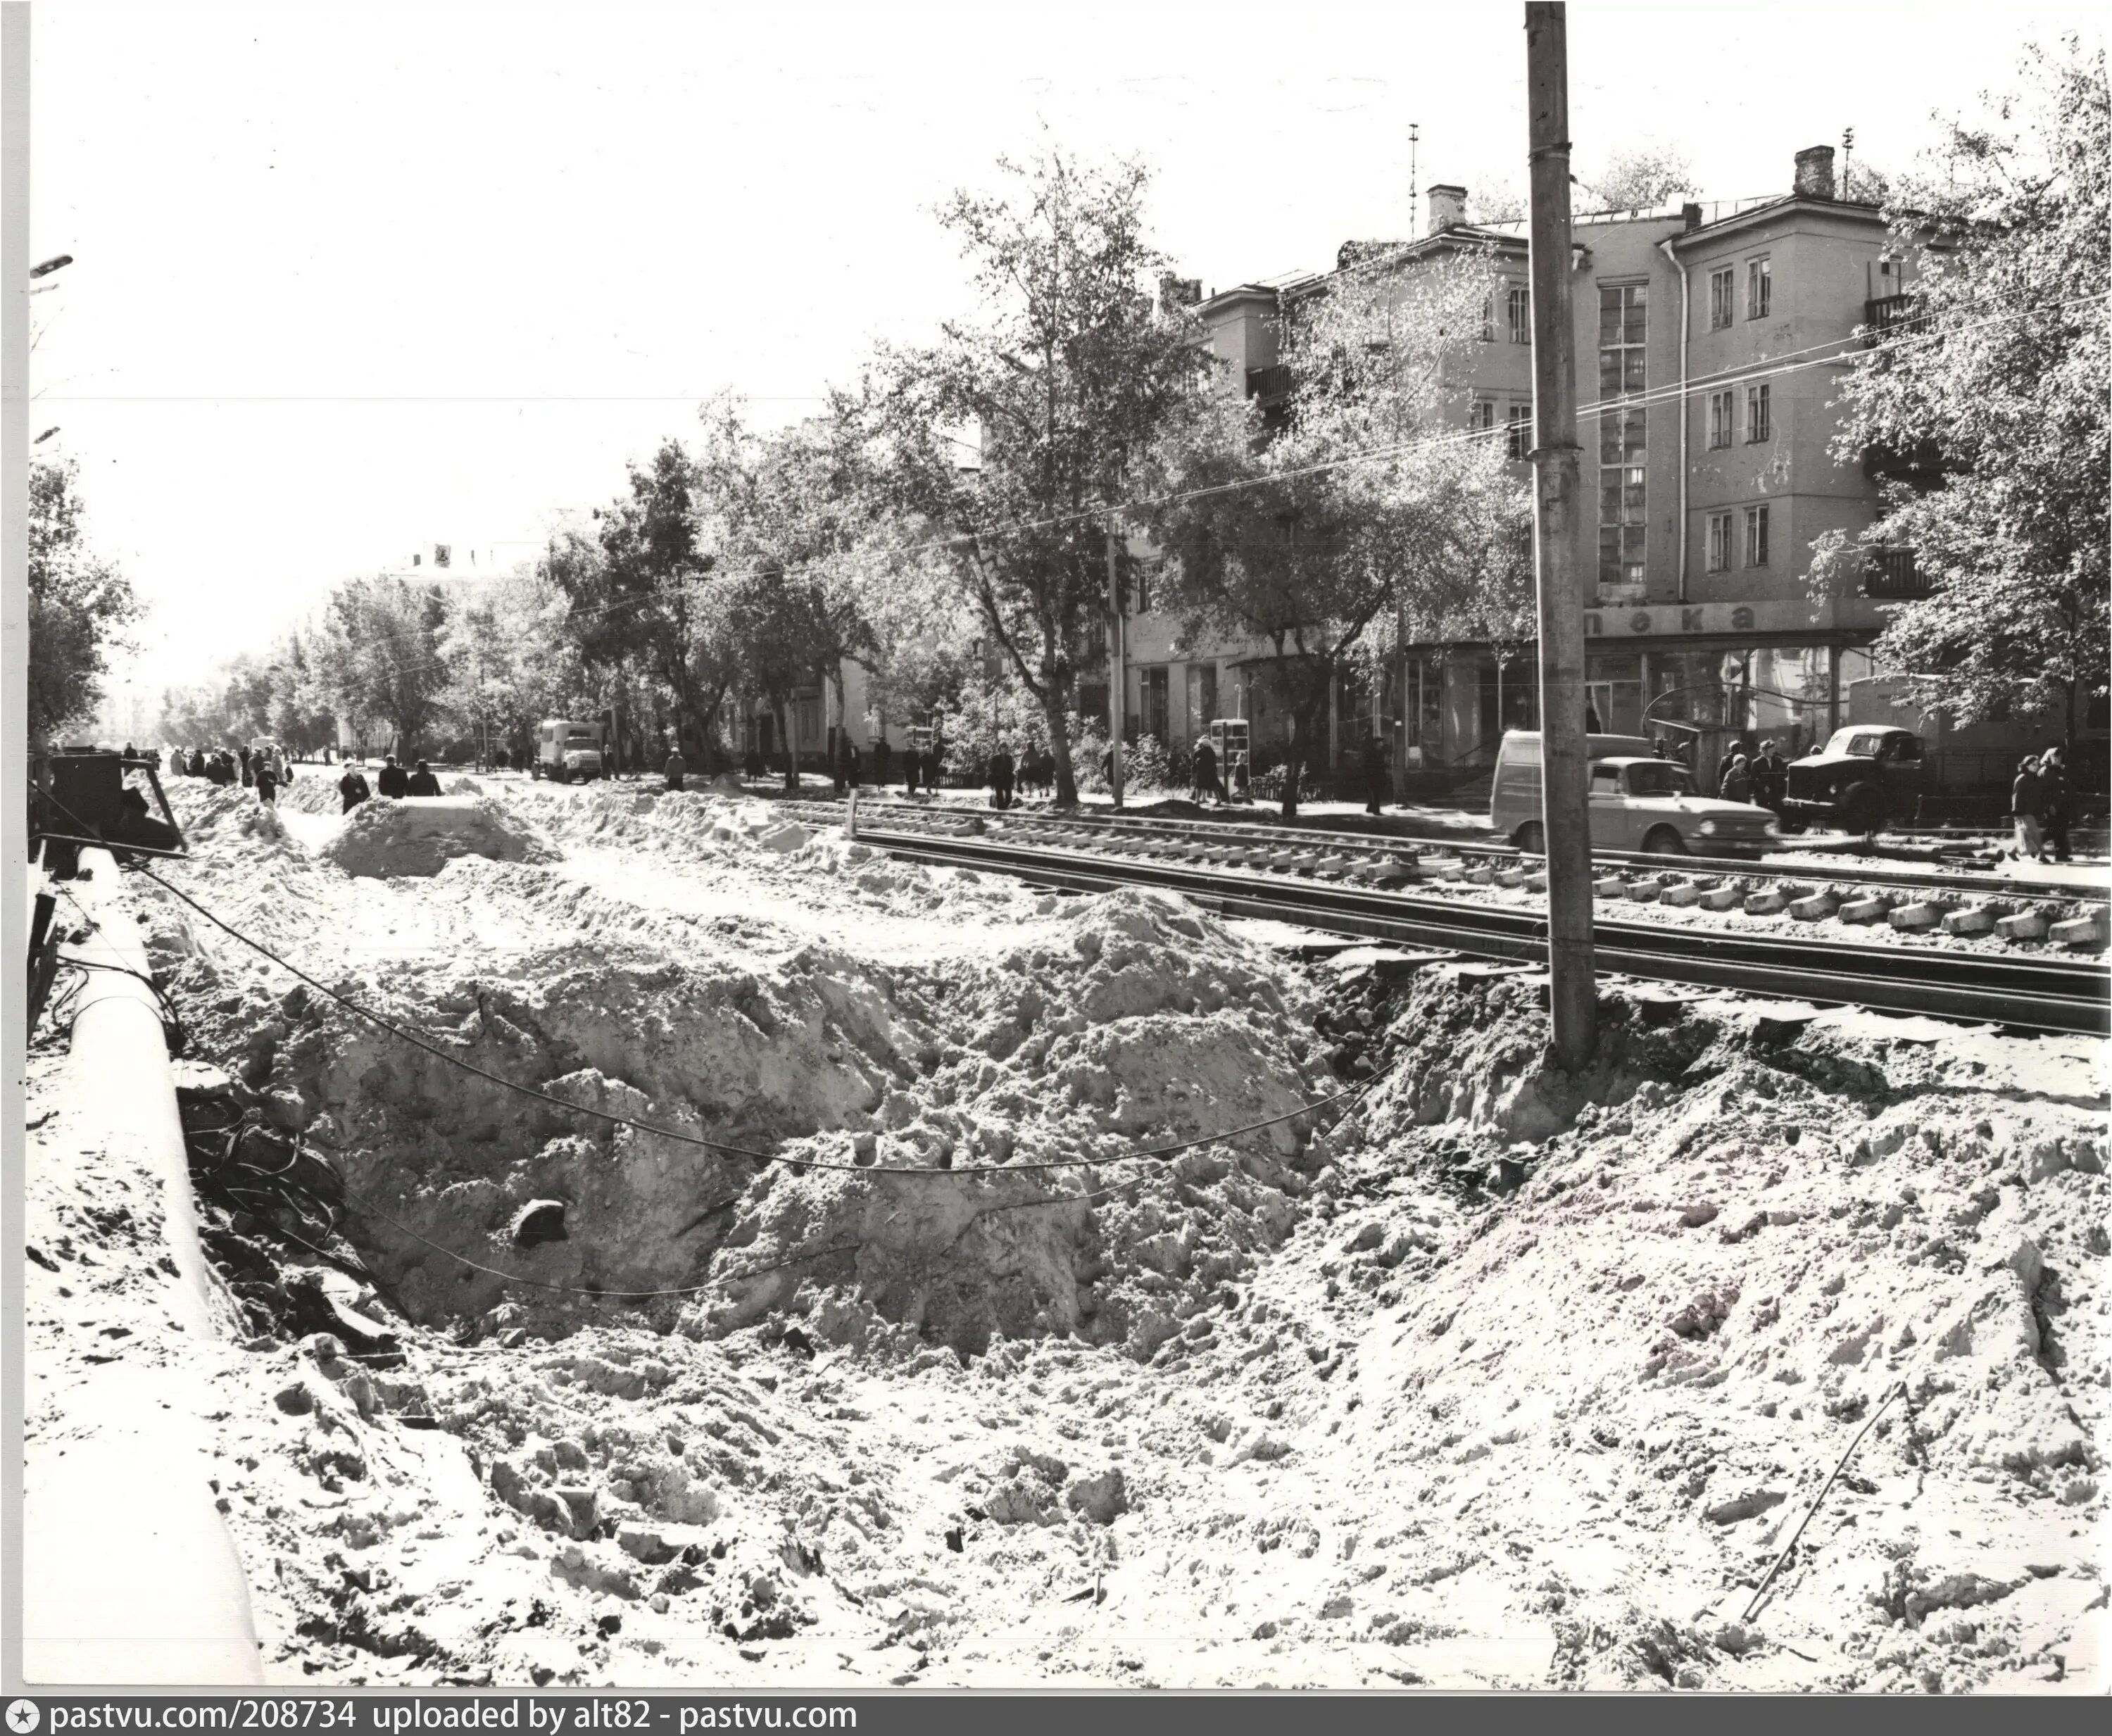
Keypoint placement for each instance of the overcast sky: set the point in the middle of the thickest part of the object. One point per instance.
(352, 281)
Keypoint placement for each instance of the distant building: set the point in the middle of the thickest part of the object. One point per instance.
(1710, 341)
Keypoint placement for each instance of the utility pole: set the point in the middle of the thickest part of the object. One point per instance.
(1563, 768)
(1115, 695)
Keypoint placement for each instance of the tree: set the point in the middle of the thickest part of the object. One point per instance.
(790, 515)
(383, 635)
(637, 595)
(1066, 377)
(1642, 177)
(1997, 388)
(1373, 507)
(80, 607)
(509, 662)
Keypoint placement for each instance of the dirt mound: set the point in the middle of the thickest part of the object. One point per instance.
(313, 791)
(384, 838)
(1146, 1024)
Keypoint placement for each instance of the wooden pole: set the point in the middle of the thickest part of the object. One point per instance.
(1557, 531)
(1115, 697)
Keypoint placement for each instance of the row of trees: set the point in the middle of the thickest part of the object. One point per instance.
(954, 520)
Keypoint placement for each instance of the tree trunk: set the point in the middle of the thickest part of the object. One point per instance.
(790, 747)
(1059, 745)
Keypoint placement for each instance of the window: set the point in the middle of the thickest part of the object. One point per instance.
(1518, 431)
(1759, 423)
(1623, 324)
(1722, 407)
(1760, 287)
(1756, 536)
(1720, 288)
(1153, 692)
(1623, 453)
(1489, 319)
(1720, 542)
(1482, 415)
(1520, 300)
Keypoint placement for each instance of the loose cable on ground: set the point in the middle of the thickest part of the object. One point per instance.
(1789, 1548)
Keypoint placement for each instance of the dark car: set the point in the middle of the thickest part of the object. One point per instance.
(1864, 777)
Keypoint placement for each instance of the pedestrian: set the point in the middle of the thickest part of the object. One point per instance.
(1000, 777)
(1770, 778)
(223, 770)
(1737, 784)
(839, 765)
(882, 770)
(130, 752)
(247, 775)
(1206, 774)
(1108, 765)
(857, 768)
(911, 763)
(675, 768)
(197, 766)
(391, 780)
(352, 788)
(266, 775)
(423, 782)
(1375, 769)
(2027, 805)
(2056, 801)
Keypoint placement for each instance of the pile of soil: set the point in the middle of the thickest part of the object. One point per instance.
(1498, 1378)
(382, 837)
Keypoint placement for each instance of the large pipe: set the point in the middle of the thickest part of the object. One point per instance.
(1686, 409)
(129, 1573)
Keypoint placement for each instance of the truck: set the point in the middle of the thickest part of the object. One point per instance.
(568, 751)
(1867, 777)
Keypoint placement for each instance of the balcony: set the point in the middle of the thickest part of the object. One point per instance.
(1269, 382)
(1891, 316)
(1892, 577)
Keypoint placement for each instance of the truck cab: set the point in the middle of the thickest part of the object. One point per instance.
(1865, 775)
(568, 751)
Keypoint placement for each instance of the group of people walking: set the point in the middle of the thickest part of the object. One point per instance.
(2041, 807)
(1760, 777)
(266, 770)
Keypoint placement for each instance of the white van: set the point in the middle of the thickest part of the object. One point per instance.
(567, 752)
(1638, 802)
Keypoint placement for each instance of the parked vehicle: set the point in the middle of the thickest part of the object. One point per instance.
(1866, 777)
(1638, 802)
(568, 752)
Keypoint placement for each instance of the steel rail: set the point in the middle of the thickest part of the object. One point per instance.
(2043, 994)
(1258, 837)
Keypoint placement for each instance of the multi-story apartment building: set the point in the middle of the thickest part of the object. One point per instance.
(1710, 342)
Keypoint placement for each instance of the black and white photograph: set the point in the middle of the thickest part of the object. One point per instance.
(1147, 852)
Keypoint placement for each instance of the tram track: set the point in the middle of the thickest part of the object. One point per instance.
(2038, 993)
(1227, 834)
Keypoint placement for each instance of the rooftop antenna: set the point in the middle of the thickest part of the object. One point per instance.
(1847, 157)
(1414, 136)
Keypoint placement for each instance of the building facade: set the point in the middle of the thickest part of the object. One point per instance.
(1710, 342)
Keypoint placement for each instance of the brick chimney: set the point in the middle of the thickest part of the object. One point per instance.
(1448, 208)
(1814, 172)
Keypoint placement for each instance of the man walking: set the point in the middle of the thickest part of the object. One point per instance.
(392, 780)
(2056, 802)
(1206, 774)
(2027, 802)
(352, 788)
(1000, 777)
(266, 775)
(422, 782)
(1770, 779)
(1376, 779)
(676, 768)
